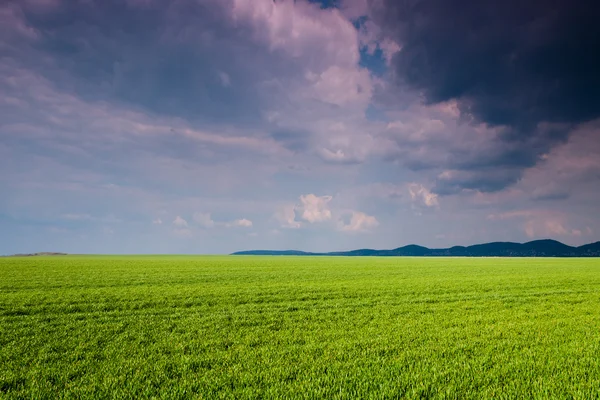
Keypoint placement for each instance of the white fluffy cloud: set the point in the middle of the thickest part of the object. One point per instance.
(340, 86)
(422, 196)
(359, 222)
(311, 209)
(286, 215)
(241, 223)
(180, 222)
(315, 208)
(203, 219)
(302, 30)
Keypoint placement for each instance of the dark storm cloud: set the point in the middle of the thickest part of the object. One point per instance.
(484, 180)
(512, 62)
(185, 58)
(530, 66)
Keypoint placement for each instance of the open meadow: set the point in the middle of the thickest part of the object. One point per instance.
(299, 327)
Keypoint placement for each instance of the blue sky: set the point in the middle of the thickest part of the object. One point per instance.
(142, 126)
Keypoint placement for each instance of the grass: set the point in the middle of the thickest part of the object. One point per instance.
(299, 327)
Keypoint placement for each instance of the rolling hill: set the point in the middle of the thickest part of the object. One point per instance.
(536, 248)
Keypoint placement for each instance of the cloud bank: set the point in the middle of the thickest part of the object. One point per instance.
(209, 126)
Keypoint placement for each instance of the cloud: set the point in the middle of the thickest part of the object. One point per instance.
(423, 197)
(314, 208)
(83, 217)
(569, 170)
(540, 223)
(37, 109)
(488, 179)
(549, 228)
(300, 29)
(340, 156)
(432, 139)
(340, 86)
(78, 217)
(242, 223)
(206, 105)
(358, 222)
(180, 222)
(274, 53)
(506, 64)
(273, 66)
(286, 215)
(203, 219)
(511, 214)
(13, 27)
(104, 56)
(225, 79)
(499, 60)
(311, 209)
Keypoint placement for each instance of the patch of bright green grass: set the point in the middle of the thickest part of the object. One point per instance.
(299, 327)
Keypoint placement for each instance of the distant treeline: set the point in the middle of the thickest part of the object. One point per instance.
(536, 248)
(45, 253)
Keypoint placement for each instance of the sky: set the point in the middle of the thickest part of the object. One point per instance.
(212, 126)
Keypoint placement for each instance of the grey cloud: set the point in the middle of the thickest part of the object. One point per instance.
(167, 57)
(489, 179)
(430, 140)
(528, 67)
(293, 140)
(210, 63)
(551, 196)
(569, 171)
(340, 156)
(88, 140)
(509, 63)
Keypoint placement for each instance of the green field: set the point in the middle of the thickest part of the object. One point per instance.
(299, 327)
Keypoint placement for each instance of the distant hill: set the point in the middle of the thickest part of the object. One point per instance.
(536, 248)
(44, 253)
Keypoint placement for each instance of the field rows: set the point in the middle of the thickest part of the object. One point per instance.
(260, 327)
